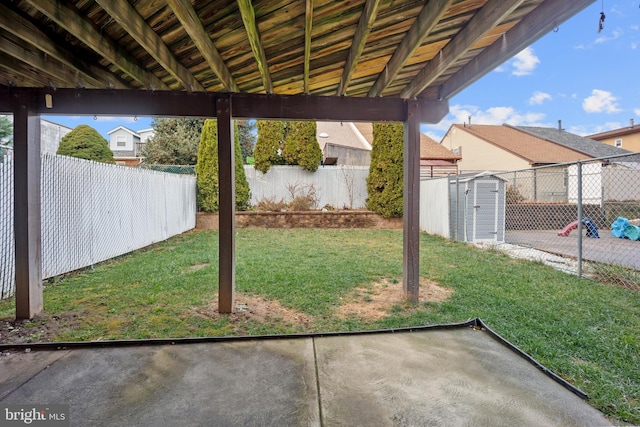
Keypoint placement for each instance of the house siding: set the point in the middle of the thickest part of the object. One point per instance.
(479, 155)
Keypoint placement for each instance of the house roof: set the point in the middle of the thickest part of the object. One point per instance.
(429, 149)
(432, 150)
(132, 132)
(529, 147)
(340, 133)
(582, 144)
(627, 130)
(358, 48)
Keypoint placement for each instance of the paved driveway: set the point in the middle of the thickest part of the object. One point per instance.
(606, 249)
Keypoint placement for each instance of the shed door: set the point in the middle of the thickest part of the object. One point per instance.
(485, 210)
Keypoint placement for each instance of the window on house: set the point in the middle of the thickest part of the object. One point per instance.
(121, 141)
(618, 143)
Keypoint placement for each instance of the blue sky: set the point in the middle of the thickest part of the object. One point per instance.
(587, 79)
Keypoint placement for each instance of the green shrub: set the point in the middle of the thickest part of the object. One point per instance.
(207, 170)
(268, 150)
(301, 145)
(385, 180)
(290, 143)
(85, 142)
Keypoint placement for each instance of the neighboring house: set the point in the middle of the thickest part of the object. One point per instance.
(436, 159)
(350, 144)
(342, 143)
(50, 136)
(127, 145)
(627, 138)
(504, 148)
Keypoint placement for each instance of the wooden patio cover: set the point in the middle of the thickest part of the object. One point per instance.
(352, 60)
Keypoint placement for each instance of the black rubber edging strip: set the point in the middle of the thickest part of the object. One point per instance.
(474, 323)
(200, 340)
(549, 373)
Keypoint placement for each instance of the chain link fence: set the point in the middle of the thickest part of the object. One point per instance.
(587, 212)
(7, 254)
(177, 169)
(93, 211)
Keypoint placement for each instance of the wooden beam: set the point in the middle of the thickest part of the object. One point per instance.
(411, 203)
(58, 74)
(244, 105)
(365, 24)
(307, 42)
(131, 21)
(84, 30)
(186, 14)
(482, 22)
(18, 74)
(249, 19)
(539, 22)
(227, 227)
(87, 75)
(27, 216)
(428, 18)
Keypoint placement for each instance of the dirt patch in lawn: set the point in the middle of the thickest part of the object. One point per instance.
(252, 307)
(372, 302)
(41, 329)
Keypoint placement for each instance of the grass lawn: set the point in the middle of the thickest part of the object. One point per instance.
(301, 280)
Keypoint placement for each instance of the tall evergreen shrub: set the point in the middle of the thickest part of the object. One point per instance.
(207, 170)
(86, 143)
(385, 180)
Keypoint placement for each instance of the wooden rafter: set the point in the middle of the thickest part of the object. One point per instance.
(69, 19)
(487, 18)
(87, 75)
(428, 18)
(21, 51)
(530, 29)
(131, 21)
(365, 24)
(251, 27)
(186, 14)
(307, 42)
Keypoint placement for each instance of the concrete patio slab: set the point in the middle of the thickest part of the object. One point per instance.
(458, 376)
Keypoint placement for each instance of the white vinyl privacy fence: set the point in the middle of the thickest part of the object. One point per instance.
(92, 212)
(342, 187)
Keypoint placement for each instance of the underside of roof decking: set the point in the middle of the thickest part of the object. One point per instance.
(358, 48)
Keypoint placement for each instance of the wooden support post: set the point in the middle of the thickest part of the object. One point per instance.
(28, 240)
(227, 199)
(411, 208)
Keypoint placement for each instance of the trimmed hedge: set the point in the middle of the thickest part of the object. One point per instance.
(85, 142)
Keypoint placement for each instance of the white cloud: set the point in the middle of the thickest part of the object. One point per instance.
(637, 111)
(601, 101)
(635, 27)
(614, 35)
(525, 62)
(459, 114)
(539, 97)
(634, 45)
